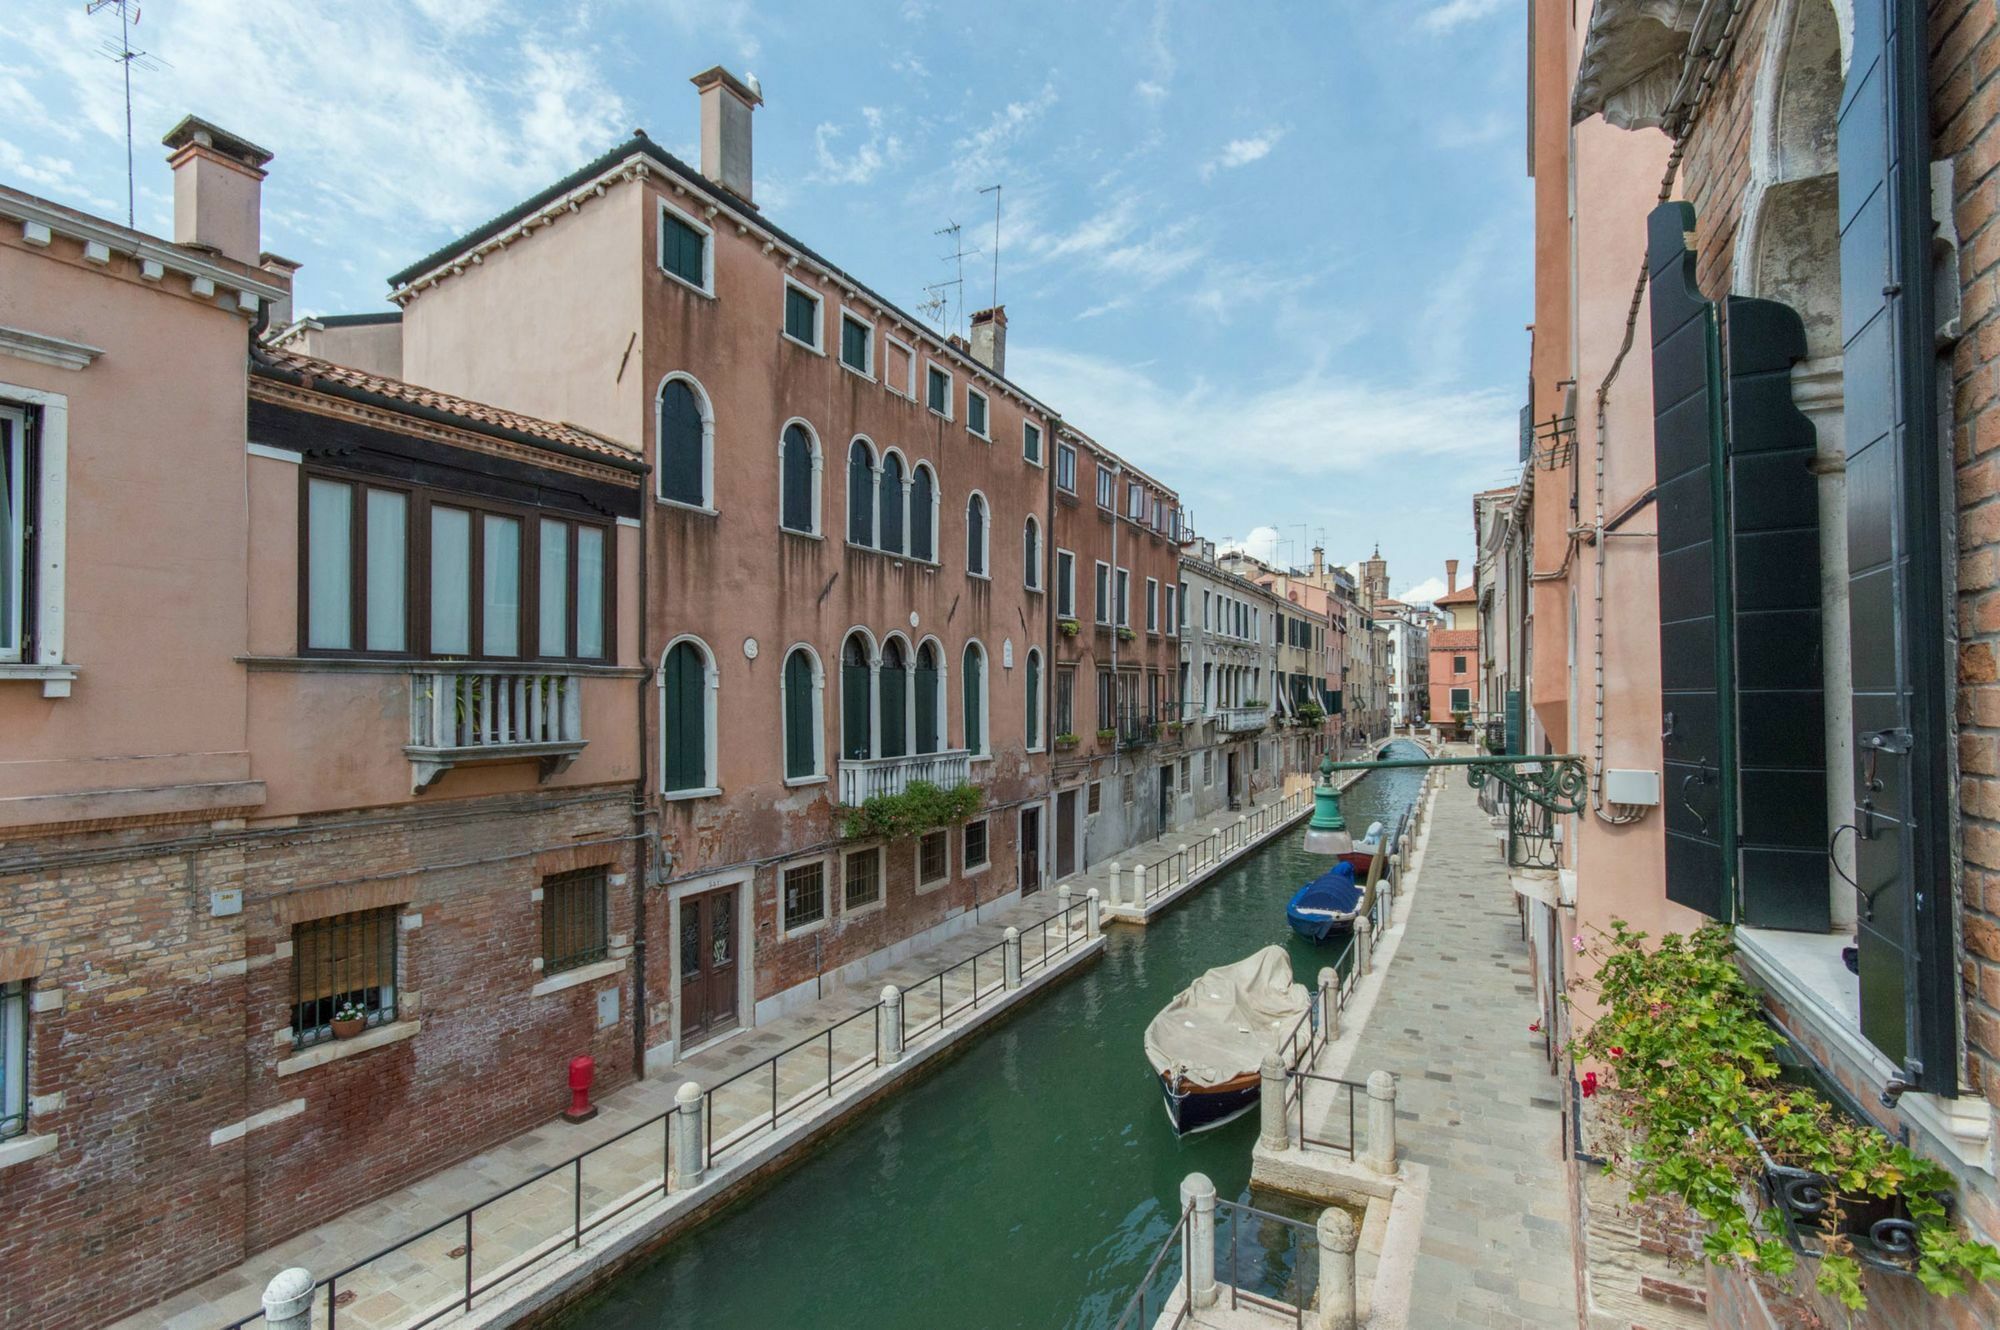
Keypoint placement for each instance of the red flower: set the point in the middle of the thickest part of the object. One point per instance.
(1536, 1028)
(1617, 1052)
(1589, 1084)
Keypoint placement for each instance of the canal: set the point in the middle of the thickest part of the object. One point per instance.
(1030, 1180)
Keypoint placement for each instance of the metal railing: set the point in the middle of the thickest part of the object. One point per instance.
(1137, 729)
(1296, 1085)
(1171, 871)
(743, 1087)
(863, 778)
(1280, 1276)
(1531, 835)
(1134, 1316)
(493, 708)
(1074, 929)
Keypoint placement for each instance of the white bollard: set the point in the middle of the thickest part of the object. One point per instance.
(690, 1141)
(1198, 1255)
(1117, 895)
(1010, 956)
(1139, 886)
(1364, 947)
(1271, 1103)
(288, 1300)
(1381, 1155)
(1062, 903)
(1329, 1001)
(892, 1022)
(1337, 1241)
(1242, 831)
(1093, 912)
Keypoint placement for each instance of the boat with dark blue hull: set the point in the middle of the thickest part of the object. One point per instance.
(1327, 906)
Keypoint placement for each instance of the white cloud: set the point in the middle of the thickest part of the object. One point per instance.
(977, 157)
(865, 162)
(709, 21)
(1423, 593)
(1242, 152)
(1160, 62)
(1261, 543)
(1457, 13)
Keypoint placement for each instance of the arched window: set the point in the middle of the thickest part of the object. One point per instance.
(856, 727)
(923, 514)
(860, 494)
(1034, 699)
(798, 480)
(893, 680)
(930, 708)
(1031, 554)
(686, 433)
(974, 679)
(889, 507)
(687, 719)
(802, 716)
(975, 535)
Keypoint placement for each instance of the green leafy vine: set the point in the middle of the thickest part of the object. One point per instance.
(921, 807)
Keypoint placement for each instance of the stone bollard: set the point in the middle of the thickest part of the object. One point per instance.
(1139, 886)
(1062, 900)
(1010, 956)
(1198, 1254)
(690, 1141)
(1242, 831)
(1093, 912)
(892, 1019)
(1337, 1241)
(288, 1300)
(1364, 947)
(1329, 1001)
(1272, 1131)
(1117, 896)
(1381, 1155)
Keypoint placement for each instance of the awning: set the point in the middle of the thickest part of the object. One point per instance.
(1635, 58)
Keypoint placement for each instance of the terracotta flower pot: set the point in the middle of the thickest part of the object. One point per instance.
(348, 1029)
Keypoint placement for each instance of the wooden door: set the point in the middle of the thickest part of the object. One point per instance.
(708, 965)
(1065, 833)
(1030, 853)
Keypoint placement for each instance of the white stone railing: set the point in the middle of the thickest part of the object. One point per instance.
(493, 713)
(861, 779)
(1237, 720)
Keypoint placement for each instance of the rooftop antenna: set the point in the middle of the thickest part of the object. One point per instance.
(994, 190)
(121, 51)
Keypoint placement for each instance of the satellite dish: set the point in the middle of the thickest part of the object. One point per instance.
(756, 88)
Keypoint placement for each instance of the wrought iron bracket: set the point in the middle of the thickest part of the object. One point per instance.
(1557, 781)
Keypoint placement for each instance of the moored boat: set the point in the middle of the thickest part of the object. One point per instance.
(1328, 905)
(1207, 1046)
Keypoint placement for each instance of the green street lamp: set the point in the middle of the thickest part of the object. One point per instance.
(1327, 832)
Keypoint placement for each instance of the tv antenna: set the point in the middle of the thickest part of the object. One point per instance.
(994, 190)
(123, 52)
(941, 295)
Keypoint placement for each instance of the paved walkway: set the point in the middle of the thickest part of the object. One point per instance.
(429, 1275)
(1475, 1101)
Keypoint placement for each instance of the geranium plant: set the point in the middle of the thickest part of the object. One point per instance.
(1689, 1069)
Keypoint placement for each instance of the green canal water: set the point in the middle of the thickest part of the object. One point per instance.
(1028, 1182)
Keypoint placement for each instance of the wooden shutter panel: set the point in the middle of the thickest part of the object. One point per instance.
(1780, 743)
(1895, 559)
(1695, 686)
(854, 736)
(680, 444)
(927, 705)
(687, 719)
(895, 692)
(860, 496)
(799, 736)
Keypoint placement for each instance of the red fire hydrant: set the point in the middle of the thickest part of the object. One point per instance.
(582, 1071)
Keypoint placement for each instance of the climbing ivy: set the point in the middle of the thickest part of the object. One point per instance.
(922, 807)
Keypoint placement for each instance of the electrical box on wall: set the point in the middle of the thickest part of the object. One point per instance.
(1639, 789)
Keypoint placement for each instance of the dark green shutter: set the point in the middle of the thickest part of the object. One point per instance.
(895, 695)
(972, 714)
(681, 444)
(854, 736)
(891, 505)
(800, 741)
(1695, 687)
(686, 719)
(797, 480)
(927, 703)
(921, 545)
(1034, 701)
(860, 495)
(1895, 507)
(1774, 577)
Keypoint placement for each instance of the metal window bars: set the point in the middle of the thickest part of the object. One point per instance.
(343, 961)
(574, 919)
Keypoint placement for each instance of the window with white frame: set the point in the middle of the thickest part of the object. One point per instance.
(899, 367)
(685, 467)
(13, 1059)
(975, 414)
(802, 308)
(1124, 598)
(18, 555)
(937, 390)
(1152, 604)
(804, 895)
(1135, 501)
(1031, 553)
(1031, 443)
(975, 535)
(1065, 468)
(933, 859)
(1208, 768)
(686, 249)
(1107, 487)
(857, 344)
(1065, 585)
(976, 849)
(861, 879)
(1102, 609)
(1173, 621)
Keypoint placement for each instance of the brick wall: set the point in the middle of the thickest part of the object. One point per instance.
(159, 1024)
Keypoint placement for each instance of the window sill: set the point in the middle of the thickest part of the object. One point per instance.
(677, 796)
(941, 415)
(802, 535)
(21, 1149)
(861, 911)
(55, 679)
(803, 930)
(983, 438)
(867, 374)
(412, 665)
(674, 277)
(1804, 972)
(582, 974)
(341, 1049)
(806, 345)
(795, 782)
(686, 507)
(979, 577)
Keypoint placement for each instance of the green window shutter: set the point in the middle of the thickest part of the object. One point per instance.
(800, 739)
(796, 480)
(801, 314)
(854, 737)
(922, 546)
(854, 344)
(927, 704)
(686, 719)
(890, 507)
(895, 694)
(683, 251)
(860, 495)
(1034, 701)
(974, 720)
(1896, 590)
(681, 443)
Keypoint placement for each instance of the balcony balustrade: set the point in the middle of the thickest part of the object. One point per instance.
(1242, 720)
(861, 779)
(490, 713)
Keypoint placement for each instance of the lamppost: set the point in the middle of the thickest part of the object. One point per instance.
(1555, 782)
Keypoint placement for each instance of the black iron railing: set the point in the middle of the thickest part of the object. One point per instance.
(1261, 1260)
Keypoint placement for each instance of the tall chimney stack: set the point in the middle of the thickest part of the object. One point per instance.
(726, 104)
(1319, 561)
(1450, 576)
(218, 190)
(989, 338)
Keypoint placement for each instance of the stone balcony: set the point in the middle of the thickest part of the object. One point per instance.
(1242, 720)
(492, 713)
(861, 779)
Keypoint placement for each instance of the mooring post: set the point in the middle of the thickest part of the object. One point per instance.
(892, 1020)
(690, 1141)
(1117, 896)
(1139, 886)
(1329, 1001)
(1242, 831)
(1271, 1103)
(1062, 903)
(1381, 1122)
(1198, 1257)
(288, 1300)
(1010, 956)
(1337, 1240)
(1093, 912)
(1364, 947)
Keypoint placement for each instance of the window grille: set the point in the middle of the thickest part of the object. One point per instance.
(864, 879)
(805, 894)
(340, 961)
(975, 844)
(574, 926)
(931, 852)
(13, 1059)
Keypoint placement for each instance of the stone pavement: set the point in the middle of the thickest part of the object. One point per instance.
(791, 1058)
(1475, 1100)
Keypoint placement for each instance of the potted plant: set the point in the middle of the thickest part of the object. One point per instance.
(1106, 736)
(1065, 742)
(1311, 714)
(349, 1019)
(1068, 627)
(1126, 635)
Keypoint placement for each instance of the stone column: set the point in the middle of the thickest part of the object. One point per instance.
(1271, 1104)
(1242, 831)
(1381, 1155)
(1139, 886)
(1010, 956)
(892, 1023)
(1364, 947)
(1337, 1240)
(1329, 1001)
(1062, 902)
(1198, 1255)
(288, 1300)
(1093, 912)
(690, 1141)
(1117, 886)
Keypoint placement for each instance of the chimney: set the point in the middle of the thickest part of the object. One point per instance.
(1450, 576)
(726, 104)
(218, 190)
(989, 338)
(283, 270)
(1319, 561)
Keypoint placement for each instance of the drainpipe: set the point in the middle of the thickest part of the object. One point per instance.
(642, 805)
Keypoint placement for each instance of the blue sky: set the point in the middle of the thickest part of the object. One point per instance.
(1276, 253)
